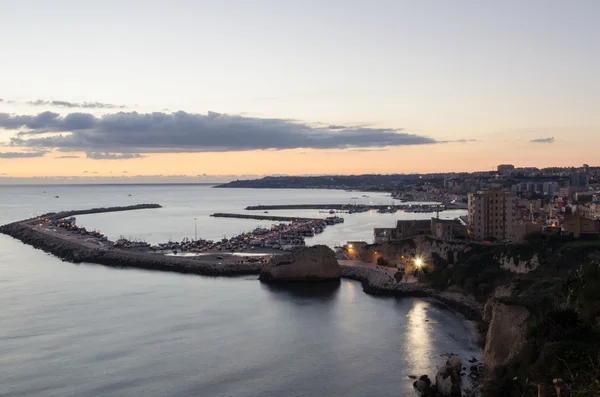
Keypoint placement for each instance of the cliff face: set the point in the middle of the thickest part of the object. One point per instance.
(305, 263)
(506, 340)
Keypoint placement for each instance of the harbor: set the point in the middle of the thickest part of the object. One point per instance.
(358, 208)
(258, 244)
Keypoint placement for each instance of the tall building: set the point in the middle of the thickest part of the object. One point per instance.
(505, 168)
(491, 214)
(579, 179)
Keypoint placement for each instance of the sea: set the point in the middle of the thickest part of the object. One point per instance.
(71, 330)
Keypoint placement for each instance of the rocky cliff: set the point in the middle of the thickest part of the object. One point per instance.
(506, 340)
(303, 263)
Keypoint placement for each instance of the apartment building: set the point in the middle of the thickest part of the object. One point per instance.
(491, 214)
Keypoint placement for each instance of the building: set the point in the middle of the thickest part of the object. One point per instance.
(550, 188)
(506, 168)
(569, 191)
(579, 179)
(384, 234)
(448, 229)
(589, 210)
(578, 226)
(411, 228)
(491, 214)
(522, 229)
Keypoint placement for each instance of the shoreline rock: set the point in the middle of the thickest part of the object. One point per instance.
(317, 263)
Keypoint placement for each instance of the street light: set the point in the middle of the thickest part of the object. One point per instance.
(418, 262)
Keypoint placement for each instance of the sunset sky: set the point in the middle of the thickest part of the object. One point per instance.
(223, 89)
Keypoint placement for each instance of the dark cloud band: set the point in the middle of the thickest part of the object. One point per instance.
(543, 140)
(132, 132)
(21, 155)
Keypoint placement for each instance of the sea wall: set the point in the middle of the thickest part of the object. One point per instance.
(77, 253)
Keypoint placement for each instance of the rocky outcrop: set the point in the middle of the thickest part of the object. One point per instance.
(506, 340)
(519, 265)
(447, 381)
(317, 263)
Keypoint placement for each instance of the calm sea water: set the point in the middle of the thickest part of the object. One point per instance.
(85, 330)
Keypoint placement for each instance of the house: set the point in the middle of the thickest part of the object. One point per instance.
(448, 229)
(578, 226)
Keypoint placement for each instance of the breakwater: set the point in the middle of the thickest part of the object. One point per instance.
(77, 252)
(349, 207)
(264, 217)
(99, 210)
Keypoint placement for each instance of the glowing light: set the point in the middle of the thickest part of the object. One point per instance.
(418, 262)
(349, 245)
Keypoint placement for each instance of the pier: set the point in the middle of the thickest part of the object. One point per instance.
(100, 210)
(352, 208)
(264, 217)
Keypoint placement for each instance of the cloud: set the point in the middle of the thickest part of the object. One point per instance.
(132, 132)
(21, 155)
(543, 140)
(90, 172)
(67, 157)
(112, 156)
(84, 105)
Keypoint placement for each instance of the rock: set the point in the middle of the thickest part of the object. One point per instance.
(412, 376)
(455, 363)
(506, 340)
(303, 264)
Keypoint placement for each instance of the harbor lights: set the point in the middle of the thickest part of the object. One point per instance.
(418, 262)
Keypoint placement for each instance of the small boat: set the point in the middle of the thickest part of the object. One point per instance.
(266, 212)
(332, 212)
(130, 195)
(55, 196)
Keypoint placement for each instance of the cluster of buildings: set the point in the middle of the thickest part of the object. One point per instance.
(508, 204)
(496, 214)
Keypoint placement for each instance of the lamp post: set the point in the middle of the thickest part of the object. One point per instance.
(195, 229)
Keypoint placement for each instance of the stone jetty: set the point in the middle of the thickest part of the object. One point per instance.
(77, 251)
(66, 214)
(264, 217)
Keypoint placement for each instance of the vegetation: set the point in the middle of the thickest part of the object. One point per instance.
(563, 298)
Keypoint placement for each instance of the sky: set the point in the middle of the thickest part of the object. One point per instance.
(219, 90)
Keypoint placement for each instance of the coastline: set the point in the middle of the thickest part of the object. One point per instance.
(374, 282)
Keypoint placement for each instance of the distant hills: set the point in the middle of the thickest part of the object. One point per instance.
(370, 182)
